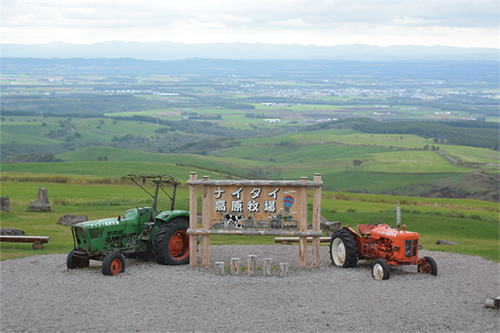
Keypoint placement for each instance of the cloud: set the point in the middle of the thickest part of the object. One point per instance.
(324, 22)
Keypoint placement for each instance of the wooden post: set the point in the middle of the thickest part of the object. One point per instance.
(283, 270)
(193, 221)
(303, 226)
(205, 239)
(316, 220)
(251, 267)
(235, 267)
(219, 268)
(267, 267)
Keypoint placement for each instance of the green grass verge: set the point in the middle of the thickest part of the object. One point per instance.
(433, 219)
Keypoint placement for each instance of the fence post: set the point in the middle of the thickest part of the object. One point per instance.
(251, 267)
(235, 267)
(219, 268)
(283, 270)
(267, 267)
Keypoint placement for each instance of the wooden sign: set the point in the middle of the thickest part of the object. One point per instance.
(254, 207)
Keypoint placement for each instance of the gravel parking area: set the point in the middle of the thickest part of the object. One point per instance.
(38, 294)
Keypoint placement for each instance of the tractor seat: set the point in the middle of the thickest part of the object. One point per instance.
(364, 229)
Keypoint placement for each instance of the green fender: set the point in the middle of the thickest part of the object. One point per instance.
(166, 216)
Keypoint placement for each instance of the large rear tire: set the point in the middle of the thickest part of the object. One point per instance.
(113, 264)
(381, 270)
(73, 262)
(171, 243)
(343, 249)
(428, 266)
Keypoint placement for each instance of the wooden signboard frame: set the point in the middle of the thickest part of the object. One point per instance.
(256, 203)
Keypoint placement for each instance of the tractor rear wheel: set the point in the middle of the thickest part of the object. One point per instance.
(73, 262)
(428, 266)
(171, 243)
(113, 264)
(343, 249)
(381, 270)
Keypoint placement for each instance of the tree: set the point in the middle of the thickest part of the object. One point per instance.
(44, 124)
(356, 163)
(102, 122)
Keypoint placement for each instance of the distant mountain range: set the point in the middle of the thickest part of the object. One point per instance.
(172, 51)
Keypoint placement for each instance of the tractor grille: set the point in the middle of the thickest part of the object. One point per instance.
(114, 233)
(411, 247)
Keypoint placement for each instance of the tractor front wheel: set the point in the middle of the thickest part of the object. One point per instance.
(343, 249)
(113, 264)
(381, 270)
(428, 266)
(171, 243)
(73, 262)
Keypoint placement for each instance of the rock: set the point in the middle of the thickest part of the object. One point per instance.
(70, 220)
(37, 245)
(11, 232)
(5, 203)
(330, 226)
(41, 204)
(324, 224)
(443, 242)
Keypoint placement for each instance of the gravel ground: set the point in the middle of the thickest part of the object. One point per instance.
(40, 294)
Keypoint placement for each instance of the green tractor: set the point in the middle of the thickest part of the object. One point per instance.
(140, 233)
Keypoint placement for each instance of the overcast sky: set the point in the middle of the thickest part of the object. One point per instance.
(383, 23)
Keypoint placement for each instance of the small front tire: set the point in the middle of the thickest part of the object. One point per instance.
(428, 266)
(73, 262)
(113, 264)
(381, 270)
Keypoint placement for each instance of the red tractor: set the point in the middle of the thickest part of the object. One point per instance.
(383, 244)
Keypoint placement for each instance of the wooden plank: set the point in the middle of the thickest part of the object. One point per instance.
(255, 183)
(24, 239)
(193, 221)
(296, 239)
(252, 232)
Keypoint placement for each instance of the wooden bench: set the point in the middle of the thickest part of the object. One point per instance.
(289, 240)
(37, 241)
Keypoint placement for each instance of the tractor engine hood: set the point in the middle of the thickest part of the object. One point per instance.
(385, 231)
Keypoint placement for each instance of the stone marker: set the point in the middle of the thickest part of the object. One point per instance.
(41, 204)
(267, 267)
(330, 226)
(235, 267)
(219, 268)
(443, 242)
(252, 268)
(70, 220)
(324, 224)
(37, 245)
(5, 203)
(283, 270)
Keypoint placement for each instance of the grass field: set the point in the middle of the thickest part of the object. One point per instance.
(476, 231)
